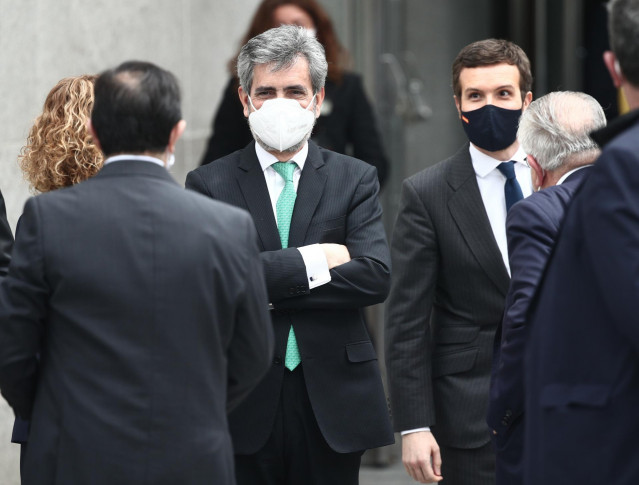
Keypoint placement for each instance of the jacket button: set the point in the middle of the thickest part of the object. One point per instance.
(504, 422)
(494, 431)
(277, 361)
(509, 413)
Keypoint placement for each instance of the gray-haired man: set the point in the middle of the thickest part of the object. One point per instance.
(325, 258)
(554, 132)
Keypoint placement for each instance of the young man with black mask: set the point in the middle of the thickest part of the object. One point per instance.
(451, 274)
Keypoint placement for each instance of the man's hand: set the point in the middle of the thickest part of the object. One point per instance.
(421, 457)
(336, 254)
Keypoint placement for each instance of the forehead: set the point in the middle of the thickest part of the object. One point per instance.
(297, 74)
(489, 77)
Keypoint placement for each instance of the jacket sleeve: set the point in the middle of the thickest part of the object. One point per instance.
(531, 236)
(6, 239)
(251, 347)
(363, 281)
(408, 310)
(23, 305)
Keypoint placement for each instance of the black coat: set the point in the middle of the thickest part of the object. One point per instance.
(147, 306)
(336, 203)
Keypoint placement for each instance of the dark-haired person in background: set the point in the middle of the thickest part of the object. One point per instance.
(450, 273)
(347, 123)
(145, 302)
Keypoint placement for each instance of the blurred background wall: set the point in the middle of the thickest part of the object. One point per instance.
(403, 48)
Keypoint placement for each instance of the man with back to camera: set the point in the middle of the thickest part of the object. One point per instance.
(325, 258)
(145, 302)
(582, 364)
(451, 273)
(554, 132)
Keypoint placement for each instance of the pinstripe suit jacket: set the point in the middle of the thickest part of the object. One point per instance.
(445, 304)
(336, 203)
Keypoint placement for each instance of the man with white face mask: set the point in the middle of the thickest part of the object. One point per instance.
(325, 258)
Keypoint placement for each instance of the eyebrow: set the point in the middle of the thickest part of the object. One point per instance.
(300, 87)
(505, 86)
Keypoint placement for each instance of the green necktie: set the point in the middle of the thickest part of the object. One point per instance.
(284, 206)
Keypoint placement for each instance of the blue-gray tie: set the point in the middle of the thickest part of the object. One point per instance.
(512, 190)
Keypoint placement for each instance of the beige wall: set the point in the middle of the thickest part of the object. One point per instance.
(42, 41)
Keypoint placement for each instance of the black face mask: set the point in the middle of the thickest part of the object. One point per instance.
(490, 127)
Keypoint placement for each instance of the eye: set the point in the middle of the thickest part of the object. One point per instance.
(474, 96)
(504, 93)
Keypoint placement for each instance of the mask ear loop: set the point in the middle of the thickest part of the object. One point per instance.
(251, 102)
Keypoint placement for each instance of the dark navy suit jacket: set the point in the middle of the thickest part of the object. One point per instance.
(582, 367)
(531, 227)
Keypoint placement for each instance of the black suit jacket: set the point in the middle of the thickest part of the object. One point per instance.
(147, 306)
(531, 227)
(445, 304)
(347, 123)
(336, 203)
(582, 368)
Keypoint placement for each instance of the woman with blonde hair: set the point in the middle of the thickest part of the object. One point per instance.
(59, 153)
(59, 150)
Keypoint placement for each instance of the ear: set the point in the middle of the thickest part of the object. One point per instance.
(244, 100)
(536, 172)
(175, 135)
(458, 106)
(610, 59)
(527, 100)
(319, 99)
(94, 135)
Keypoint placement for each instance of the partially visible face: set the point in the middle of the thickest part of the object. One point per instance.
(292, 15)
(497, 84)
(292, 83)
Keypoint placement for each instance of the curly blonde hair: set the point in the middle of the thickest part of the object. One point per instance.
(59, 150)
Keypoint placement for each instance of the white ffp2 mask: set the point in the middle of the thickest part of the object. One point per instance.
(282, 123)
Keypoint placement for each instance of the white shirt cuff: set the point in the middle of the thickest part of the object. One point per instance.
(317, 270)
(416, 430)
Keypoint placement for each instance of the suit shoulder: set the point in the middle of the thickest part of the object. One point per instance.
(436, 175)
(337, 160)
(221, 165)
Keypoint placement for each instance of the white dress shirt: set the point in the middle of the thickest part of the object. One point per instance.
(491, 187)
(144, 158)
(317, 270)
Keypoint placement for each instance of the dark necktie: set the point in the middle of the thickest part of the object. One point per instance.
(512, 190)
(284, 206)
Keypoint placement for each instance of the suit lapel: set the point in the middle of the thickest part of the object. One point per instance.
(468, 211)
(253, 186)
(309, 193)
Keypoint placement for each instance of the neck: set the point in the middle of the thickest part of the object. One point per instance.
(632, 95)
(504, 155)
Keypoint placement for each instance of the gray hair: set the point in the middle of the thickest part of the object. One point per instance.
(623, 31)
(281, 47)
(555, 129)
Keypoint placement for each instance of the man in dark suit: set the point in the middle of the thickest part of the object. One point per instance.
(451, 274)
(554, 132)
(582, 367)
(145, 302)
(325, 258)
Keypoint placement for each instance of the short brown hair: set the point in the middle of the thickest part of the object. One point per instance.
(489, 52)
(60, 151)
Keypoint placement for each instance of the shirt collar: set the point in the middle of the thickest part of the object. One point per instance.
(144, 158)
(267, 159)
(568, 174)
(484, 164)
